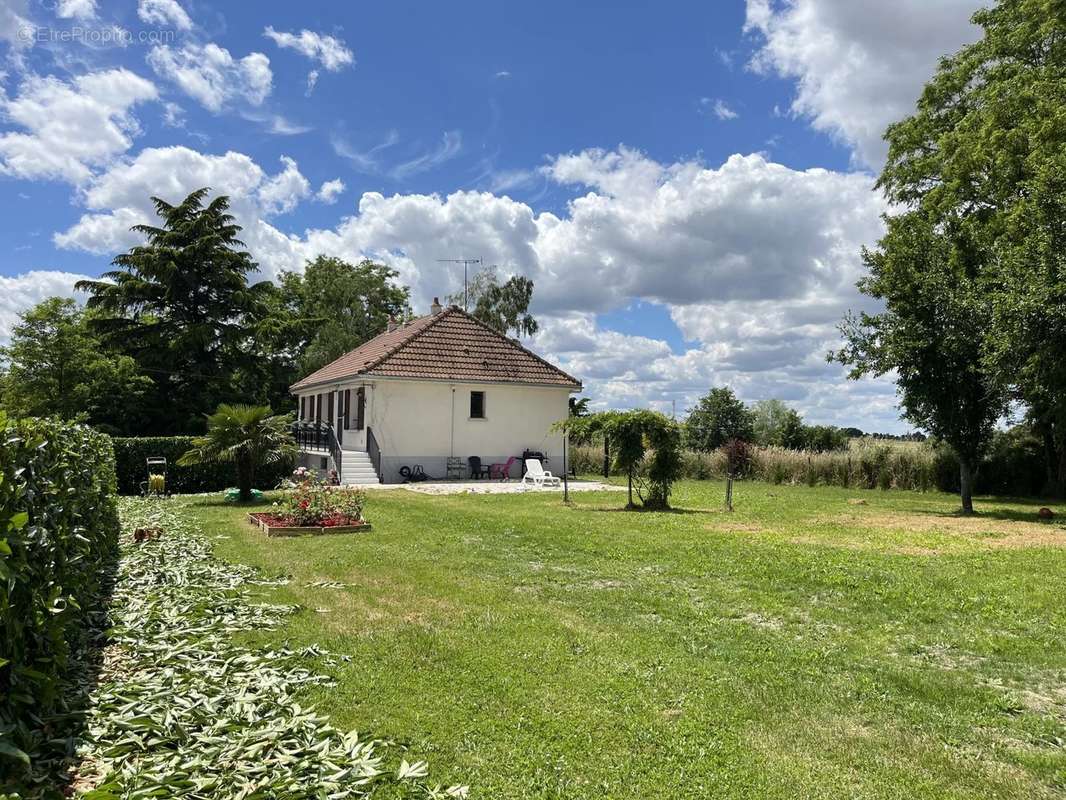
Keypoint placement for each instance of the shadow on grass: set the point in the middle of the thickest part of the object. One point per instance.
(642, 510)
(231, 504)
(1005, 514)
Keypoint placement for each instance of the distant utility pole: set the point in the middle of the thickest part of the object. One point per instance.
(466, 262)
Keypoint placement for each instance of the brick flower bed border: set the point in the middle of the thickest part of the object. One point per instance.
(276, 530)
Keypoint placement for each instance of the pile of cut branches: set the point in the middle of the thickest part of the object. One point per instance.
(182, 710)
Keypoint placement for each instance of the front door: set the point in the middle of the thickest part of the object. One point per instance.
(360, 408)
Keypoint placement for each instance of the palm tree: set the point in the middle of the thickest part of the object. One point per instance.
(579, 406)
(249, 436)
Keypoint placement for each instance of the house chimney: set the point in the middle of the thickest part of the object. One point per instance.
(436, 307)
(391, 326)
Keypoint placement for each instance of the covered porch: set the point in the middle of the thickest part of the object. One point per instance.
(332, 434)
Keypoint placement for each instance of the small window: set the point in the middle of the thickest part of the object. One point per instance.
(477, 405)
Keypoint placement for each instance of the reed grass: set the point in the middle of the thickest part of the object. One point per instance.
(865, 464)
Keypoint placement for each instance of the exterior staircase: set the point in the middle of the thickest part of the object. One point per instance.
(357, 469)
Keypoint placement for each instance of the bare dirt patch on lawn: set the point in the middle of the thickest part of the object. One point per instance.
(930, 534)
(397, 607)
(735, 527)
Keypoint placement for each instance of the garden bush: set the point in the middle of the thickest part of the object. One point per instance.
(1014, 465)
(58, 543)
(130, 465)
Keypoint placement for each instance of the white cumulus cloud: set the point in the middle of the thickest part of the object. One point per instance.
(281, 193)
(213, 77)
(120, 198)
(321, 48)
(76, 9)
(68, 128)
(329, 191)
(164, 12)
(859, 65)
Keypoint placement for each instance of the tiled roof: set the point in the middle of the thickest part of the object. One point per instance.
(449, 345)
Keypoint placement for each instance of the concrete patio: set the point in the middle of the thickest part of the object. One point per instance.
(492, 487)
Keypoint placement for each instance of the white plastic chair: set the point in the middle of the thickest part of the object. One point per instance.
(537, 475)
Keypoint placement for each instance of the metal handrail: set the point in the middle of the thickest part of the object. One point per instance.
(313, 434)
(335, 451)
(319, 436)
(374, 451)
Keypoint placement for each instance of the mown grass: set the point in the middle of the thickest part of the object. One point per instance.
(804, 646)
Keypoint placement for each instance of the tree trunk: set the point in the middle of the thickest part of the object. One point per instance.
(244, 479)
(1060, 479)
(1051, 463)
(630, 503)
(966, 485)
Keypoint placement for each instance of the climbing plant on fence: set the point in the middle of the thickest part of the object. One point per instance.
(58, 538)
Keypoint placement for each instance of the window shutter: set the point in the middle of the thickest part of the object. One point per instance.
(347, 408)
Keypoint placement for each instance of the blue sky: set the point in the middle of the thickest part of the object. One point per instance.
(688, 184)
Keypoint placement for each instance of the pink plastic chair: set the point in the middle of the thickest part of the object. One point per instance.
(502, 471)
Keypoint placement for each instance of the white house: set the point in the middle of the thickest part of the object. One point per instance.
(432, 392)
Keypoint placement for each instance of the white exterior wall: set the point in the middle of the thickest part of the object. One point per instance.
(425, 422)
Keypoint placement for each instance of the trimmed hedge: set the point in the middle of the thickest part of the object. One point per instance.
(58, 543)
(130, 465)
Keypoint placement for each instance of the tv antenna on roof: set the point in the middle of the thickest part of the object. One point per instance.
(466, 262)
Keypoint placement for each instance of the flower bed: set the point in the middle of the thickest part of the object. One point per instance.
(273, 525)
(313, 507)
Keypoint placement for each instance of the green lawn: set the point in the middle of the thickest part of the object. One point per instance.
(807, 645)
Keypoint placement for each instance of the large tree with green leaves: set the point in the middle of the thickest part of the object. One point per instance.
(503, 306)
(983, 159)
(181, 305)
(775, 424)
(57, 366)
(930, 334)
(718, 417)
(334, 306)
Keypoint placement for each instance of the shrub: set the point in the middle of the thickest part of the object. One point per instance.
(1014, 465)
(131, 452)
(738, 457)
(58, 541)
